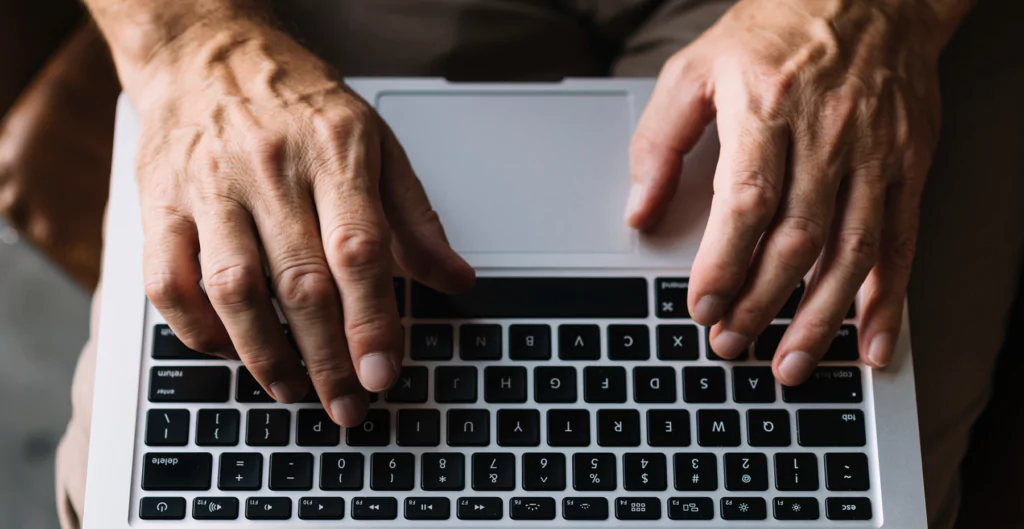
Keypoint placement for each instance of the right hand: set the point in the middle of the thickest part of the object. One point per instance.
(251, 151)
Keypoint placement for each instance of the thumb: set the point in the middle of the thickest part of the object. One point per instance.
(677, 114)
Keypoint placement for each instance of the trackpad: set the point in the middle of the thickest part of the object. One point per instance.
(523, 173)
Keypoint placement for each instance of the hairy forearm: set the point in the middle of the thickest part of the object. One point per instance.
(143, 32)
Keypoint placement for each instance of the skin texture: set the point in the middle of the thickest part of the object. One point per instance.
(254, 157)
(828, 114)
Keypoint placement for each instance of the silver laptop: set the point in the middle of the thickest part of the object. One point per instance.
(569, 388)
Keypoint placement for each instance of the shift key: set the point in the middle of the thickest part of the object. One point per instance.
(827, 385)
(189, 384)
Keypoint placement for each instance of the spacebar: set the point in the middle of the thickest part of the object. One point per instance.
(537, 297)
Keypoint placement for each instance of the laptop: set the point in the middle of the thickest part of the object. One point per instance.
(568, 388)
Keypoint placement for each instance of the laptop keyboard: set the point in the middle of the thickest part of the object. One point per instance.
(588, 399)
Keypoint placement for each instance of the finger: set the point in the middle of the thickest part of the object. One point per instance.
(355, 236)
(674, 119)
(885, 289)
(308, 297)
(848, 256)
(748, 183)
(234, 280)
(786, 251)
(172, 274)
(418, 240)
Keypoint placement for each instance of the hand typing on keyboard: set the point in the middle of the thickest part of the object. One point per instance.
(251, 153)
(828, 114)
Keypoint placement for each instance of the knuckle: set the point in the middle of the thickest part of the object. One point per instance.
(163, 290)
(199, 340)
(235, 285)
(305, 283)
(901, 250)
(751, 194)
(860, 246)
(346, 124)
(801, 238)
(358, 246)
(262, 364)
(819, 327)
(368, 332)
(328, 372)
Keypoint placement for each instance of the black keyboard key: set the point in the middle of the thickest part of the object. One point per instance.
(177, 471)
(392, 471)
(585, 508)
(431, 342)
(248, 390)
(847, 472)
(766, 344)
(670, 297)
(411, 386)
(469, 427)
(537, 297)
(268, 508)
(744, 509)
(638, 508)
(604, 384)
(827, 385)
(718, 427)
(789, 309)
(746, 472)
(162, 508)
(704, 385)
(444, 471)
(618, 427)
(579, 342)
(554, 384)
(217, 427)
(696, 472)
(189, 384)
(480, 509)
(529, 342)
(678, 342)
(544, 471)
(796, 509)
(291, 471)
(420, 508)
(321, 508)
(691, 509)
(646, 472)
(629, 342)
(594, 471)
(532, 508)
(267, 427)
(374, 508)
(654, 384)
(241, 471)
(796, 472)
(569, 427)
(455, 384)
(341, 471)
(844, 346)
(668, 427)
(768, 428)
(505, 384)
(753, 385)
(215, 508)
(420, 427)
(493, 471)
(848, 508)
(518, 427)
(375, 430)
(167, 427)
(167, 346)
(315, 428)
(480, 342)
(830, 428)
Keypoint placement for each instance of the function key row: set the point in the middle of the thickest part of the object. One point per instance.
(519, 508)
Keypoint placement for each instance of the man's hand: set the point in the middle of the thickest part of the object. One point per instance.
(252, 155)
(828, 114)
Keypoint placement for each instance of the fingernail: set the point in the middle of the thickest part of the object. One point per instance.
(377, 371)
(284, 393)
(729, 344)
(348, 410)
(709, 310)
(880, 350)
(795, 367)
(636, 197)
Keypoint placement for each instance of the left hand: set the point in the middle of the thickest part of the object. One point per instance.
(828, 113)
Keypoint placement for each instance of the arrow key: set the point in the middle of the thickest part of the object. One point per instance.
(321, 508)
(427, 508)
(377, 508)
(215, 508)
